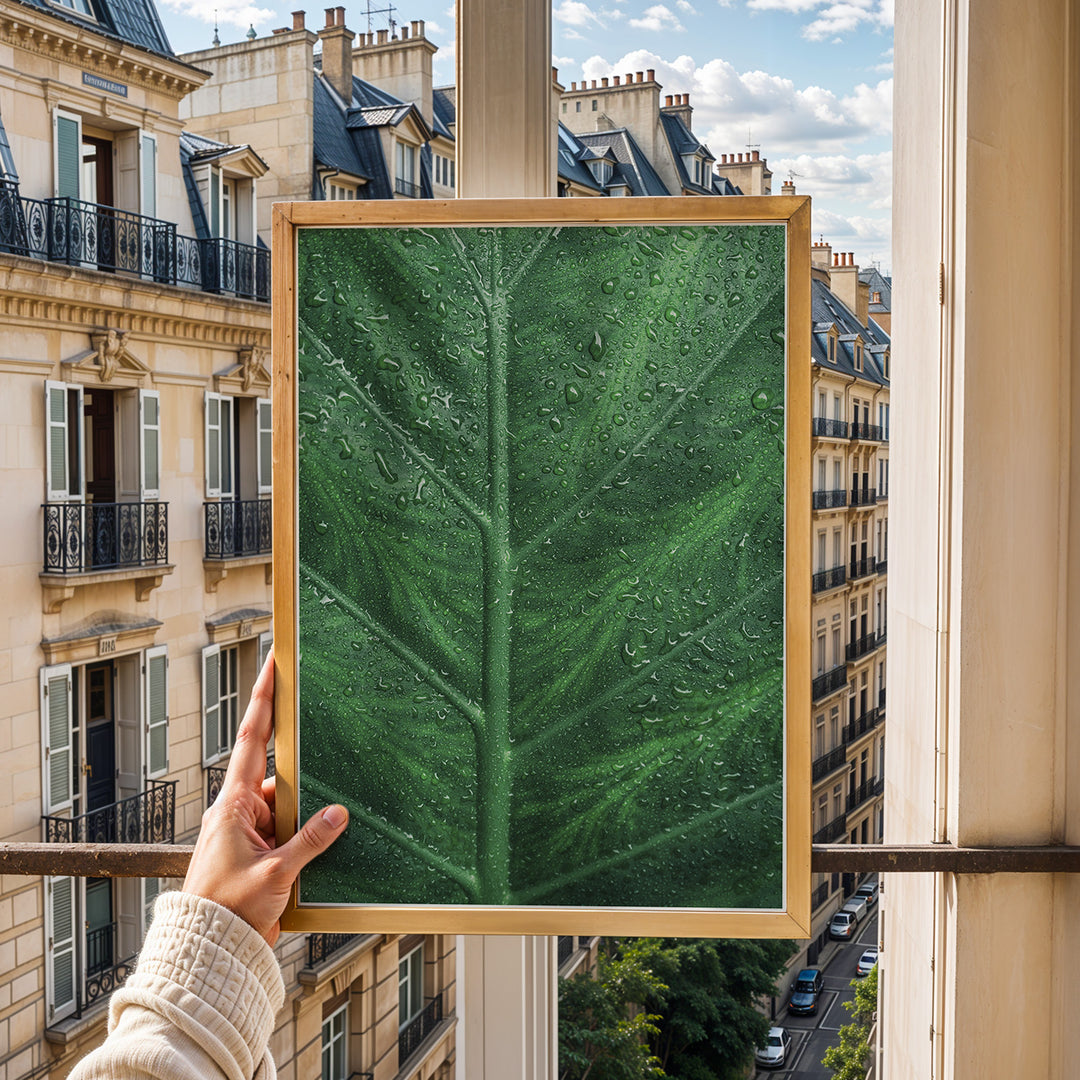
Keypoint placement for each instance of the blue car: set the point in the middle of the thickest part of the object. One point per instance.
(805, 992)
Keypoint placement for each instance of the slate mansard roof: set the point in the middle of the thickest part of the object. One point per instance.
(631, 169)
(683, 141)
(133, 21)
(828, 311)
(880, 284)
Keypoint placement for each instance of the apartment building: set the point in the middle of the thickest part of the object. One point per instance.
(137, 569)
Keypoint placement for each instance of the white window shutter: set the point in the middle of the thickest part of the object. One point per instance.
(57, 480)
(266, 639)
(60, 961)
(212, 441)
(211, 713)
(150, 444)
(56, 769)
(156, 712)
(148, 175)
(266, 446)
(151, 889)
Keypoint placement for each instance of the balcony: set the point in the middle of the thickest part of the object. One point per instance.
(829, 579)
(829, 429)
(881, 701)
(406, 188)
(418, 1029)
(829, 682)
(863, 496)
(861, 568)
(97, 237)
(104, 972)
(882, 566)
(866, 791)
(829, 762)
(215, 777)
(858, 728)
(832, 832)
(861, 646)
(237, 529)
(866, 432)
(820, 895)
(829, 500)
(146, 818)
(321, 947)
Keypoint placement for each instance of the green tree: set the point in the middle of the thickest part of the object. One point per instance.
(603, 1031)
(849, 1060)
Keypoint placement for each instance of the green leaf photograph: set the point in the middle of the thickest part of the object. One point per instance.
(541, 563)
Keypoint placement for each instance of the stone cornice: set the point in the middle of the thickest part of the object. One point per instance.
(69, 42)
(52, 295)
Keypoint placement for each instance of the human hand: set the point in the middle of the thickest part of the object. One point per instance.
(236, 862)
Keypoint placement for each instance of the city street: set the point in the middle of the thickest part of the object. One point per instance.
(812, 1035)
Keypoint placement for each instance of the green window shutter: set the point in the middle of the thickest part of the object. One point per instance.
(57, 794)
(211, 688)
(68, 156)
(150, 443)
(266, 448)
(157, 711)
(226, 446)
(59, 948)
(56, 442)
(212, 442)
(148, 175)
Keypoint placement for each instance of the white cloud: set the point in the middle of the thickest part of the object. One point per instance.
(572, 35)
(574, 13)
(793, 7)
(686, 6)
(223, 12)
(863, 178)
(563, 61)
(657, 18)
(833, 18)
(433, 28)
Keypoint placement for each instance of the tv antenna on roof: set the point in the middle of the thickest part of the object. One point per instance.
(388, 11)
(751, 145)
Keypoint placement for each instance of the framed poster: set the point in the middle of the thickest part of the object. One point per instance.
(541, 563)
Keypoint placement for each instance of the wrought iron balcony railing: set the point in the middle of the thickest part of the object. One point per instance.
(820, 895)
(407, 188)
(866, 432)
(104, 972)
(237, 528)
(863, 496)
(418, 1029)
(829, 682)
(881, 700)
(861, 725)
(861, 646)
(861, 568)
(99, 237)
(829, 762)
(146, 818)
(867, 790)
(81, 537)
(829, 500)
(829, 429)
(829, 579)
(321, 947)
(215, 777)
(882, 566)
(832, 832)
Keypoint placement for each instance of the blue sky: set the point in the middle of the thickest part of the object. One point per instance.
(810, 81)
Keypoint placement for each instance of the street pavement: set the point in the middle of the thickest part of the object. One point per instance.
(811, 1036)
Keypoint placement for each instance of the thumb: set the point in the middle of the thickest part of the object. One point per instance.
(314, 837)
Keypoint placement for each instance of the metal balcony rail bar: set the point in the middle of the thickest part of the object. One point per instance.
(829, 579)
(882, 566)
(237, 528)
(80, 537)
(867, 722)
(146, 818)
(829, 762)
(215, 777)
(829, 500)
(866, 432)
(863, 496)
(863, 567)
(834, 429)
(828, 682)
(418, 1029)
(867, 790)
(833, 831)
(99, 237)
(405, 187)
(104, 973)
(321, 947)
(861, 646)
(820, 895)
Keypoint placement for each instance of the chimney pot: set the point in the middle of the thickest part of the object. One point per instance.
(573, 86)
(298, 20)
(603, 82)
(329, 17)
(554, 73)
(404, 33)
(650, 74)
(419, 32)
(639, 77)
(757, 155)
(740, 157)
(615, 80)
(629, 77)
(667, 101)
(412, 24)
(383, 34)
(594, 84)
(340, 21)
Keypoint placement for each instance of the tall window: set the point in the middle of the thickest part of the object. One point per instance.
(410, 986)
(223, 670)
(335, 1031)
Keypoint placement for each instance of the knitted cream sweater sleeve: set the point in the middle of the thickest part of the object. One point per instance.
(199, 1006)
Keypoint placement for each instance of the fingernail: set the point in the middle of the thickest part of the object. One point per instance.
(335, 816)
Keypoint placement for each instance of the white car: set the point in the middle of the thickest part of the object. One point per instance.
(867, 961)
(775, 1051)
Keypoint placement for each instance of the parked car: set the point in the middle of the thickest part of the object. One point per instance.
(775, 1051)
(842, 926)
(857, 907)
(805, 992)
(869, 892)
(867, 962)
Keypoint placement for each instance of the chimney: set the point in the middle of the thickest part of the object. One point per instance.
(787, 187)
(821, 255)
(404, 33)
(845, 285)
(337, 45)
(639, 76)
(615, 80)
(400, 65)
(679, 105)
(650, 75)
(298, 20)
(603, 82)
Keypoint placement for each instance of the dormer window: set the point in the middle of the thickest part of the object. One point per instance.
(80, 7)
(875, 298)
(858, 356)
(601, 170)
(832, 349)
(336, 190)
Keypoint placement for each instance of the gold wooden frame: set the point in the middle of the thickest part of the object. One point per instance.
(793, 920)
